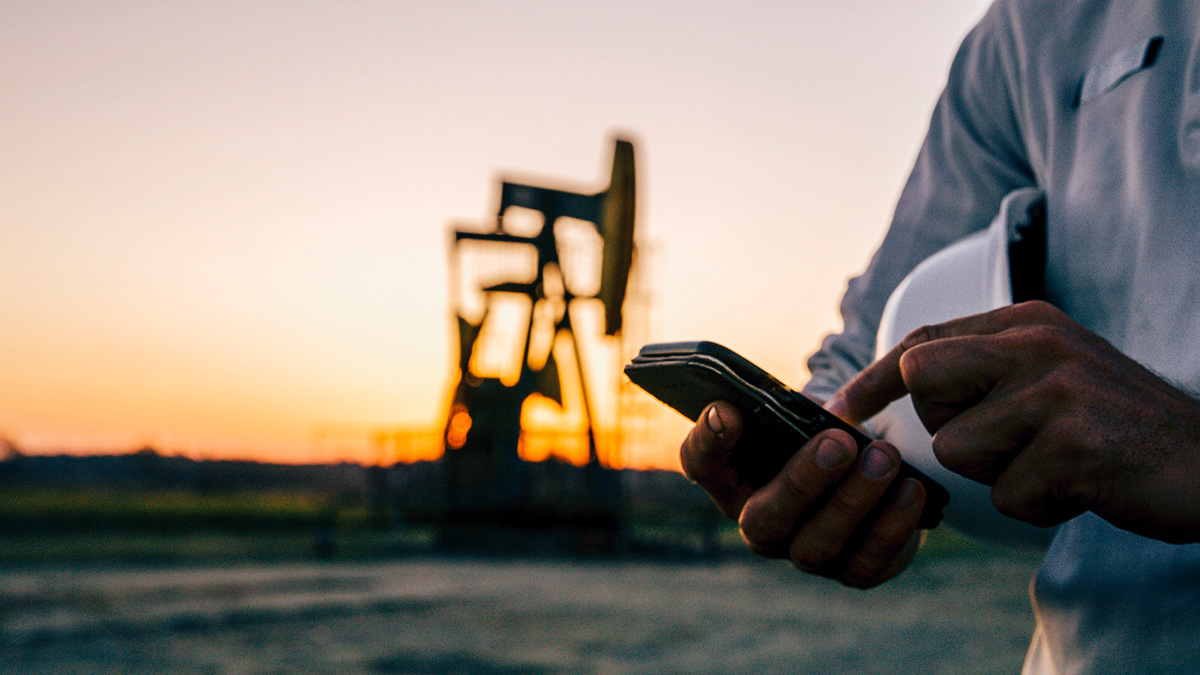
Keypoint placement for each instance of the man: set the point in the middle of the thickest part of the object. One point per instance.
(1074, 411)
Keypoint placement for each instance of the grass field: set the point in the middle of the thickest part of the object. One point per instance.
(171, 528)
(950, 613)
(231, 584)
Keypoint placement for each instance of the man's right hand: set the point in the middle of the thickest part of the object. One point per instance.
(831, 510)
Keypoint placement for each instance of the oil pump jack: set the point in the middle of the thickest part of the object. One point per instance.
(489, 486)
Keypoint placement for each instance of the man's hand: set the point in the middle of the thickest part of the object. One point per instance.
(1050, 415)
(831, 510)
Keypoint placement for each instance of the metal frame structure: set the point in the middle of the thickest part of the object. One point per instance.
(487, 482)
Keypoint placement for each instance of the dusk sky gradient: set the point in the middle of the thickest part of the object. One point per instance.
(223, 224)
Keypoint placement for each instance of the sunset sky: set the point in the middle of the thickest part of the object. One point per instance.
(224, 224)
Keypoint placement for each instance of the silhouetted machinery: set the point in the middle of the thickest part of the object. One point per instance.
(516, 290)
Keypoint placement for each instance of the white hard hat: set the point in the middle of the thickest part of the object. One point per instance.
(968, 277)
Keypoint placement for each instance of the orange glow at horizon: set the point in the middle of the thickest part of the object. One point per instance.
(223, 226)
(547, 433)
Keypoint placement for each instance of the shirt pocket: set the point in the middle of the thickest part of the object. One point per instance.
(1108, 74)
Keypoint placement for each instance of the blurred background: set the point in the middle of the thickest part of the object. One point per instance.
(225, 224)
(233, 316)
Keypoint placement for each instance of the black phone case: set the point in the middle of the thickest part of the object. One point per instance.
(777, 421)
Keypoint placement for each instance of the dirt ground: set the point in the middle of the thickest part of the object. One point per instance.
(456, 616)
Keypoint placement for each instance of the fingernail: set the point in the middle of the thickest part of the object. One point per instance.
(715, 424)
(908, 493)
(877, 463)
(832, 454)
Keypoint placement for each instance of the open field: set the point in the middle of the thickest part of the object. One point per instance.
(954, 612)
(183, 577)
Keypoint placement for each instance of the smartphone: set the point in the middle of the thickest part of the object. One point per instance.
(777, 421)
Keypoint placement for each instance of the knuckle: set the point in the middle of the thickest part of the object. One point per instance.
(1073, 493)
(865, 570)
(1035, 310)
(749, 526)
(1046, 337)
(701, 458)
(851, 503)
(758, 541)
(1016, 502)
(1057, 395)
(761, 529)
(692, 458)
(953, 455)
(874, 561)
(926, 333)
(1055, 344)
(814, 555)
(892, 532)
(793, 485)
(863, 573)
(726, 505)
(757, 547)
(945, 449)
(1057, 384)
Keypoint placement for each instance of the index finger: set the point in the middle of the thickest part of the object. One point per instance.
(882, 382)
(871, 390)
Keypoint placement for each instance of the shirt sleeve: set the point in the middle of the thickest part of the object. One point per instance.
(972, 155)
